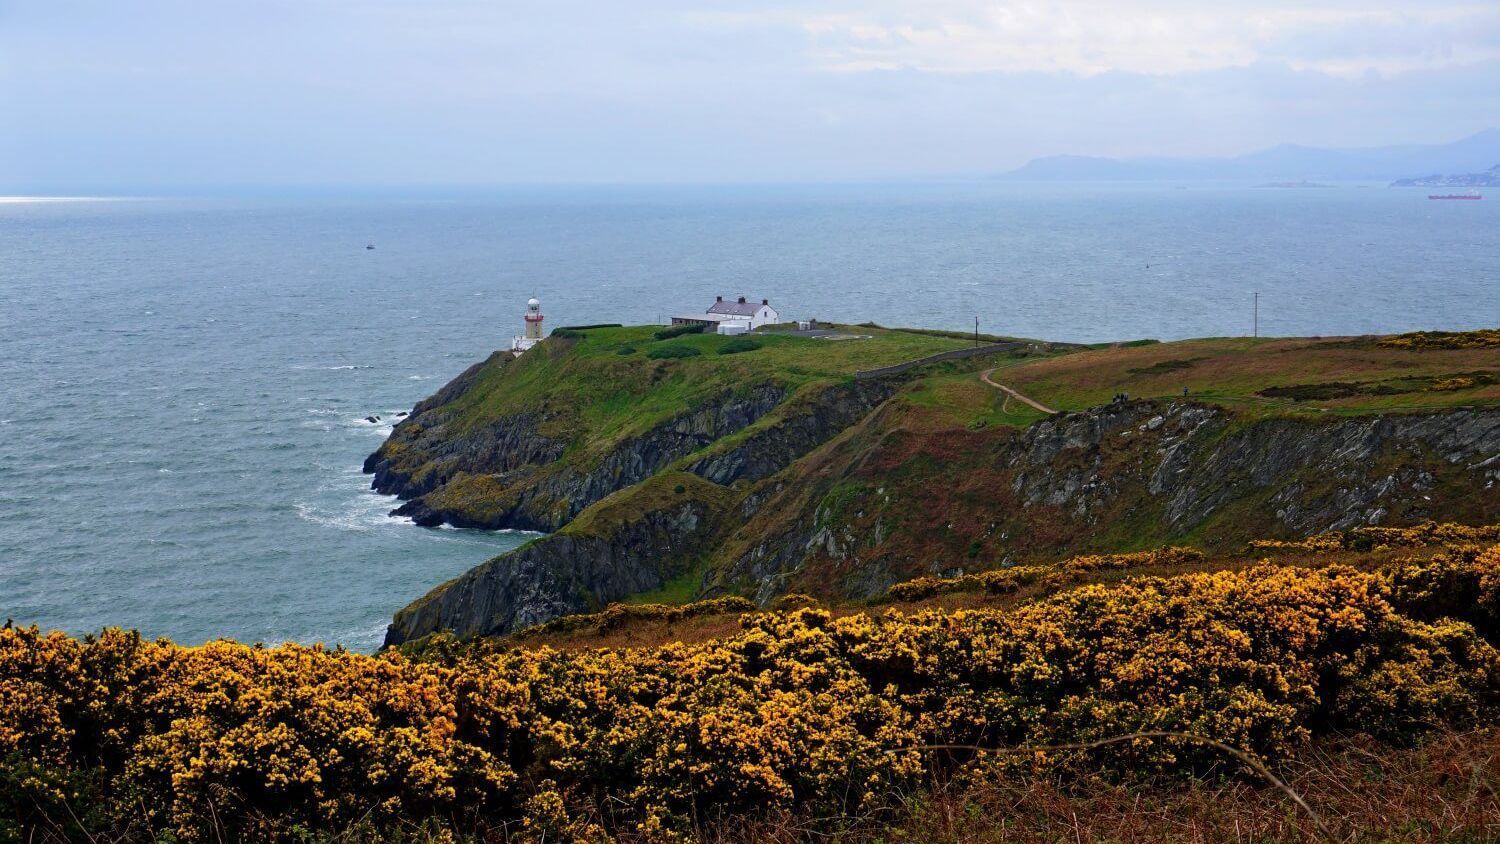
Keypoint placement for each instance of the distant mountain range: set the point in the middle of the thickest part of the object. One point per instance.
(1473, 154)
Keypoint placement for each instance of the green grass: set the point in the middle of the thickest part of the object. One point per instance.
(1234, 372)
(961, 399)
(592, 394)
(681, 589)
(655, 494)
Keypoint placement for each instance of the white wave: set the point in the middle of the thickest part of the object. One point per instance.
(363, 513)
(335, 368)
(495, 532)
(383, 427)
(361, 639)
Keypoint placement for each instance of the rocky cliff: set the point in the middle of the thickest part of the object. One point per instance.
(627, 546)
(637, 539)
(894, 501)
(508, 473)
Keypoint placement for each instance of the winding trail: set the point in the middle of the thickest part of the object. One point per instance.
(985, 377)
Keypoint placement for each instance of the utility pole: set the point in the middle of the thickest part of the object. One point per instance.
(976, 332)
(1256, 322)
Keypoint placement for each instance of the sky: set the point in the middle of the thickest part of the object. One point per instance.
(181, 94)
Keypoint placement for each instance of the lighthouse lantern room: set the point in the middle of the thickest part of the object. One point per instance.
(533, 334)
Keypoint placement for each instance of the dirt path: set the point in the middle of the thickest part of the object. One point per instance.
(985, 377)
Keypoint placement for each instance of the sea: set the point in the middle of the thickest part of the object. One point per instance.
(187, 384)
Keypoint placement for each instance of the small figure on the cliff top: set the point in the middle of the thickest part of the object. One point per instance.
(533, 333)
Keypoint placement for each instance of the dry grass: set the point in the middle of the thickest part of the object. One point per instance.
(1447, 789)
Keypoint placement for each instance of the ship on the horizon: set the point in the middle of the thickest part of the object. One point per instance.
(1469, 195)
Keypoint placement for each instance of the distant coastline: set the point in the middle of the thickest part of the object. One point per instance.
(1286, 162)
(1487, 179)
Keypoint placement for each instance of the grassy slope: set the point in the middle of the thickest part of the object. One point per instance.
(596, 396)
(1231, 371)
(1224, 371)
(582, 392)
(924, 476)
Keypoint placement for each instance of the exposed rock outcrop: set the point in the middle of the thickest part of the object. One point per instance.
(1166, 471)
(528, 486)
(612, 556)
(794, 431)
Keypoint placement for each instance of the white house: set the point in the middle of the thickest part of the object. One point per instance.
(732, 317)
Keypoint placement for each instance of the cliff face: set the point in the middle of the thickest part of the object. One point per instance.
(507, 474)
(876, 508)
(895, 501)
(641, 537)
(575, 570)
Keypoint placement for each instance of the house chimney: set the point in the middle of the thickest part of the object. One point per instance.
(742, 300)
(765, 301)
(718, 298)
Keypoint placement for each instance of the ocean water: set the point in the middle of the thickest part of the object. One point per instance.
(184, 383)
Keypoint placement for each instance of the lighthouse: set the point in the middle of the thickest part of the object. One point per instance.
(533, 333)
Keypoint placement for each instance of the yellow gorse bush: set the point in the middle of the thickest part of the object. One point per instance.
(798, 709)
(1379, 538)
(1484, 338)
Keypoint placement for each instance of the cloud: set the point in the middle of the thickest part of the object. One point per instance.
(1157, 37)
(162, 92)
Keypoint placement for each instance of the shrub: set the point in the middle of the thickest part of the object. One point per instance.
(625, 350)
(670, 352)
(1484, 338)
(799, 710)
(1375, 538)
(679, 331)
(740, 344)
(570, 333)
(595, 325)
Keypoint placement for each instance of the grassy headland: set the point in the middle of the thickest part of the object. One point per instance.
(804, 479)
(594, 395)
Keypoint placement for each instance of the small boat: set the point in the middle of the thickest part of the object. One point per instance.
(369, 246)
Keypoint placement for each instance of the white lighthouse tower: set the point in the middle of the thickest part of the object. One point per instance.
(533, 333)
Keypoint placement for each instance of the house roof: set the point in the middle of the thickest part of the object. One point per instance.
(713, 317)
(736, 308)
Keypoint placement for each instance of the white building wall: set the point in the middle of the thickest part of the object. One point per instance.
(766, 315)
